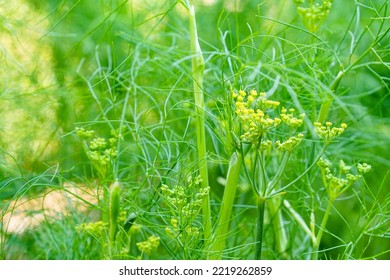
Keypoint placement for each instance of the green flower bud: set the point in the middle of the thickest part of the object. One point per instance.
(150, 245)
(363, 167)
(114, 209)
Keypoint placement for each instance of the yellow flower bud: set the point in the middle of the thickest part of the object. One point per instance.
(253, 93)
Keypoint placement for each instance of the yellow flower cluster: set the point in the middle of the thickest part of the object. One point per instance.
(343, 167)
(290, 119)
(97, 229)
(327, 132)
(313, 14)
(253, 112)
(250, 109)
(97, 143)
(363, 167)
(100, 151)
(185, 203)
(266, 146)
(100, 228)
(178, 197)
(175, 230)
(290, 144)
(335, 185)
(150, 245)
(84, 134)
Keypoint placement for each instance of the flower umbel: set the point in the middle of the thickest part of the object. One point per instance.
(254, 113)
(363, 167)
(336, 185)
(150, 245)
(289, 118)
(313, 14)
(327, 132)
(290, 144)
(100, 151)
(251, 110)
(184, 202)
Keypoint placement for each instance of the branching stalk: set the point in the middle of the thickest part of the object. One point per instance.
(317, 240)
(280, 234)
(272, 184)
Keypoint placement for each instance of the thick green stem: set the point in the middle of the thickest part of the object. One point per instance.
(198, 73)
(221, 231)
(274, 204)
(317, 240)
(260, 227)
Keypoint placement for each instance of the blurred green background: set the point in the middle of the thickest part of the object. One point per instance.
(74, 63)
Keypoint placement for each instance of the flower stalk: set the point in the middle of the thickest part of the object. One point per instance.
(258, 119)
(318, 237)
(335, 186)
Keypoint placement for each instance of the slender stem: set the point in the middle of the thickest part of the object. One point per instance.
(198, 73)
(317, 240)
(325, 107)
(298, 218)
(260, 227)
(255, 169)
(250, 179)
(229, 194)
(263, 176)
(275, 180)
(303, 174)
